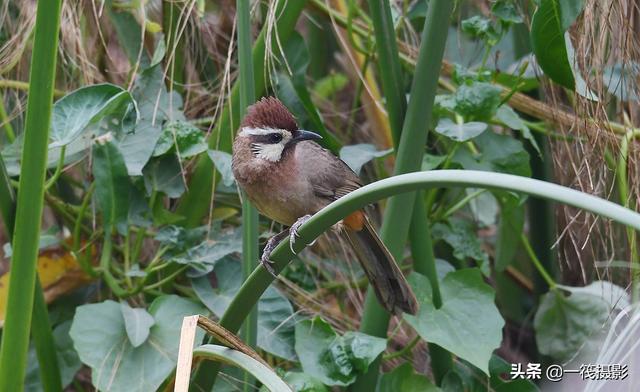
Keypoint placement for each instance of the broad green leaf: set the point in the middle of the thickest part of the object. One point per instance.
(477, 100)
(468, 324)
(569, 12)
(276, 324)
(564, 324)
(130, 35)
(275, 314)
(76, 111)
(330, 85)
(510, 228)
(483, 206)
(334, 359)
(164, 174)
(112, 183)
(462, 238)
(222, 162)
(444, 106)
(161, 50)
(615, 296)
(180, 239)
(296, 55)
(155, 103)
(549, 23)
(137, 323)
(481, 28)
(136, 146)
(404, 379)
(621, 81)
(302, 382)
(443, 268)
(506, 11)
(430, 162)
(498, 153)
(100, 338)
(156, 106)
(203, 257)
(357, 155)
(460, 132)
(180, 137)
(511, 119)
(68, 361)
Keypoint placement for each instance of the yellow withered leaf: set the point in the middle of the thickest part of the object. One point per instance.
(59, 274)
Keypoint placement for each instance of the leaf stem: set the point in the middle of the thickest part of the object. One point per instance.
(58, 171)
(537, 263)
(405, 350)
(105, 264)
(5, 121)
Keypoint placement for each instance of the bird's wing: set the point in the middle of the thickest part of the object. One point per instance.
(330, 177)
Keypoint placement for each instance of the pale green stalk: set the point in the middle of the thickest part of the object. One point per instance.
(22, 283)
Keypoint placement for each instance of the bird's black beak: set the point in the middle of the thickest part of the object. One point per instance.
(301, 135)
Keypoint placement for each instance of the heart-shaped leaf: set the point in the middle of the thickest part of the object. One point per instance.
(405, 379)
(100, 338)
(564, 324)
(137, 322)
(460, 132)
(222, 161)
(74, 112)
(334, 359)
(112, 183)
(468, 324)
(548, 25)
(357, 155)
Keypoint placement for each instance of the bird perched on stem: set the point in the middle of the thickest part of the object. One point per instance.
(289, 177)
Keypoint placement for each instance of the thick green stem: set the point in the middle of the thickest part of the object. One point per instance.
(249, 213)
(397, 215)
(623, 190)
(22, 281)
(389, 65)
(424, 262)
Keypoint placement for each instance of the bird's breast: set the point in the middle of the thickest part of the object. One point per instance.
(280, 195)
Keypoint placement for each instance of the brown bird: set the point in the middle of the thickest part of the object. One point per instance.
(289, 177)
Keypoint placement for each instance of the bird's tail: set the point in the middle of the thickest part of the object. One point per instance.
(391, 287)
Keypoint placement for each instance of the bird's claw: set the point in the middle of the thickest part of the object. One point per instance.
(273, 242)
(267, 263)
(293, 231)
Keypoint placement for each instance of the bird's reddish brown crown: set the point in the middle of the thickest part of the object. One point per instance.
(269, 112)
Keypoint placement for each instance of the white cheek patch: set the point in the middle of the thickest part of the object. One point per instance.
(269, 152)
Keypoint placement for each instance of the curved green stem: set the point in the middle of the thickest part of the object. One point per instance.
(105, 261)
(260, 279)
(58, 171)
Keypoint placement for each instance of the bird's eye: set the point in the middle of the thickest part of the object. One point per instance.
(275, 138)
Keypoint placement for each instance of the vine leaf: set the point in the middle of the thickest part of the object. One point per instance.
(100, 337)
(468, 324)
